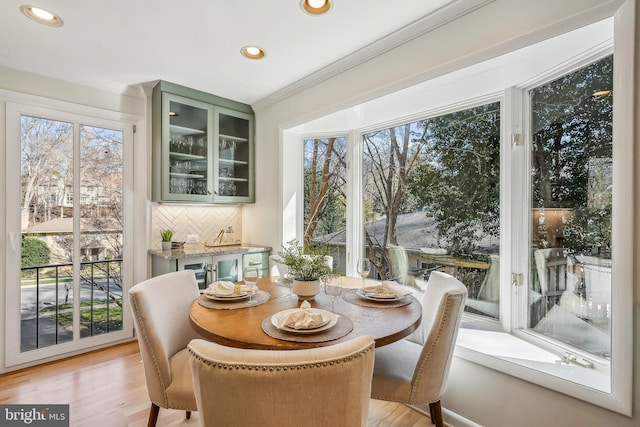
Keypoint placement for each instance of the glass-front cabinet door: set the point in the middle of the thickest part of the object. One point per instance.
(202, 147)
(234, 157)
(186, 138)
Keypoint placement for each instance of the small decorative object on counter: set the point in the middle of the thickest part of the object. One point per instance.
(166, 239)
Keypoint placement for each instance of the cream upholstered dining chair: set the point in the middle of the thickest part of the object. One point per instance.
(160, 307)
(416, 372)
(318, 387)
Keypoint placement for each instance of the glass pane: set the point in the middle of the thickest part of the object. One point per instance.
(188, 143)
(571, 174)
(101, 228)
(325, 196)
(47, 232)
(233, 162)
(228, 269)
(431, 202)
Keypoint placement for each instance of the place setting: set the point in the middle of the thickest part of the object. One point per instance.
(229, 295)
(385, 294)
(307, 324)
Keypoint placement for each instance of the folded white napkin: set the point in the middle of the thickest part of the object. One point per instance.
(225, 289)
(303, 318)
(387, 288)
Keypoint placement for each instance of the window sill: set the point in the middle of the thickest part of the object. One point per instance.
(514, 356)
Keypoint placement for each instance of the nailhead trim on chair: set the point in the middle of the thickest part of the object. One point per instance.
(445, 315)
(277, 368)
(142, 331)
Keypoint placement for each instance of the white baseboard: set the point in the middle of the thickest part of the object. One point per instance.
(451, 419)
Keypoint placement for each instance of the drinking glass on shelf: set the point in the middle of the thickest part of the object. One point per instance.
(251, 278)
(364, 268)
(332, 288)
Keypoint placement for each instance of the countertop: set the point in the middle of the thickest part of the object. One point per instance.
(195, 250)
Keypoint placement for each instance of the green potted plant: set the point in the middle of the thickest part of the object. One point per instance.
(166, 239)
(306, 266)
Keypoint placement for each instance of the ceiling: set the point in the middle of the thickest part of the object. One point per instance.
(118, 45)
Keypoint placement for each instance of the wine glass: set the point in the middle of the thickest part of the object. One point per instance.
(364, 268)
(287, 279)
(250, 278)
(333, 289)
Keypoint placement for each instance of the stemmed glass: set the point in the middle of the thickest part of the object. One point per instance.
(250, 278)
(333, 289)
(364, 268)
(287, 279)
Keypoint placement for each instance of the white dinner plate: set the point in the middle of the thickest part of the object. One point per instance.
(331, 322)
(378, 297)
(234, 297)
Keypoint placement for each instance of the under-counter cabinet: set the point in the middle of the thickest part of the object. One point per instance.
(211, 264)
(203, 148)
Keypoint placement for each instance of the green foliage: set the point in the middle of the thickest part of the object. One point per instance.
(304, 264)
(324, 212)
(572, 150)
(571, 127)
(35, 252)
(458, 179)
(166, 235)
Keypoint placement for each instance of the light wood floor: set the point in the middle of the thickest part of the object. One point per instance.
(106, 388)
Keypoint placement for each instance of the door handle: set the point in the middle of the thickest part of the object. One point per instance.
(12, 241)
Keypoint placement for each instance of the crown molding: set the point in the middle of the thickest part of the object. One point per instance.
(417, 28)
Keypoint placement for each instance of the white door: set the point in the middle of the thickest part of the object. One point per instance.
(67, 231)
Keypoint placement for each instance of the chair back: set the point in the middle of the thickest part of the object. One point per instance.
(442, 308)
(160, 307)
(399, 263)
(323, 387)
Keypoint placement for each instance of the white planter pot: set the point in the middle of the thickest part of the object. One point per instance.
(166, 246)
(306, 290)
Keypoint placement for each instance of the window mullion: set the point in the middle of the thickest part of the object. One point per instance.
(514, 277)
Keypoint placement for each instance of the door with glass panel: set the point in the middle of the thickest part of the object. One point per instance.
(571, 209)
(67, 235)
(233, 181)
(186, 129)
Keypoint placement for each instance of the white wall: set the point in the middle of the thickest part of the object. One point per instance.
(477, 393)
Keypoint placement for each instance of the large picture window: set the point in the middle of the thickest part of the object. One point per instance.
(523, 192)
(431, 202)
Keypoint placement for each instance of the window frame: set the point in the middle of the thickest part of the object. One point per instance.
(16, 106)
(514, 202)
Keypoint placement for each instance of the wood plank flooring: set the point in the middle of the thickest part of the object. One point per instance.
(106, 388)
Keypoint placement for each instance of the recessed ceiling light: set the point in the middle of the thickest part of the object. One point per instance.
(315, 7)
(42, 16)
(253, 52)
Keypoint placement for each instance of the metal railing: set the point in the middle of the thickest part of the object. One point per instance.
(101, 280)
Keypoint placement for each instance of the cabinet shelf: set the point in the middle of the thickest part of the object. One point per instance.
(184, 156)
(231, 178)
(181, 130)
(186, 175)
(233, 138)
(232, 162)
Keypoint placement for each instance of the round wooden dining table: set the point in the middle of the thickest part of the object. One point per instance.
(242, 327)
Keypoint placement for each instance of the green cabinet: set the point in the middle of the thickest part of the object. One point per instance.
(203, 148)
